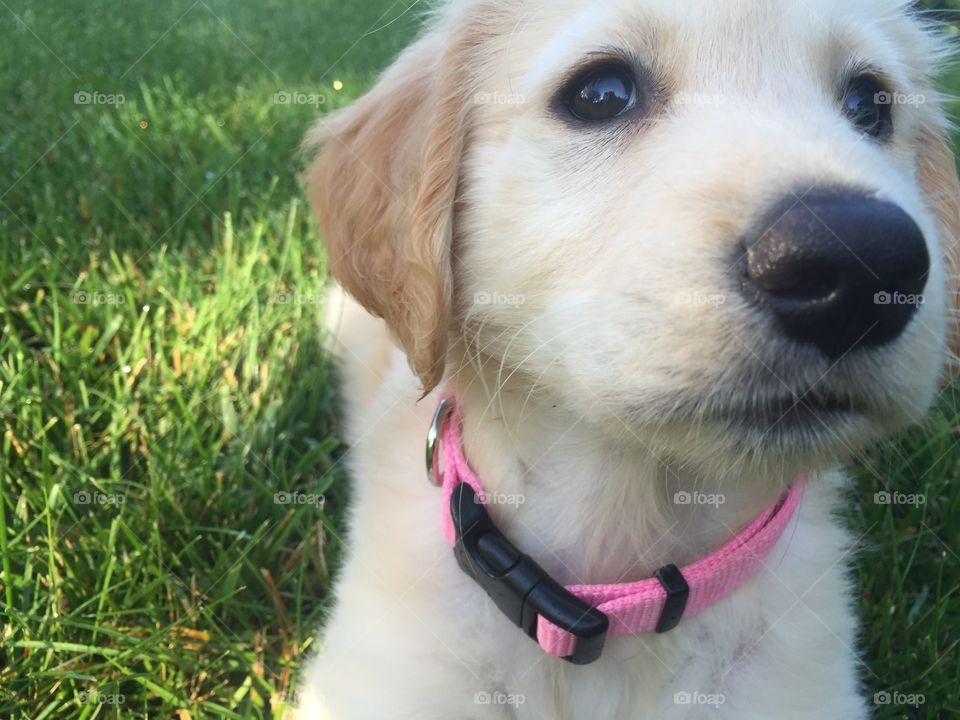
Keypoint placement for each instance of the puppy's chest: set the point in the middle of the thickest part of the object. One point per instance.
(643, 679)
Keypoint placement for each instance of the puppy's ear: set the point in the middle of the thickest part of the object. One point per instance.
(384, 187)
(937, 172)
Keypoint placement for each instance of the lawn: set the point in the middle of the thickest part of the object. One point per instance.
(171, 496)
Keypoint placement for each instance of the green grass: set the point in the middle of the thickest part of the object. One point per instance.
(160, 281)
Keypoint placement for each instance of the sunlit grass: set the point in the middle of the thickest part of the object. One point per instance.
(162, 376)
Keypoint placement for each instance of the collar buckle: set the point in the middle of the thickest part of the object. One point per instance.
(434, 471)
(521, 589)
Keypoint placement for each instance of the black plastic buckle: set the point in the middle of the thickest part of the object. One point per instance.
(675, 585)
(520, 588)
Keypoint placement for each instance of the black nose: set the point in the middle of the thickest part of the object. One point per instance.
(839, 270)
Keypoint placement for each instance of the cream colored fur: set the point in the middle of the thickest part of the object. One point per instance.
(546, 276)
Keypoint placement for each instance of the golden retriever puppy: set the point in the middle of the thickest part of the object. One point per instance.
(669, 264)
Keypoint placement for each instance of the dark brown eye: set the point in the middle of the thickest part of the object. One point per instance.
(869, 106)
(601, 93)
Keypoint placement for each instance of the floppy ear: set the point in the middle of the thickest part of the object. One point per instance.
(937, 172)
(384, 188)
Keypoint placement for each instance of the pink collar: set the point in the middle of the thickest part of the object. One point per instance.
(573, 622)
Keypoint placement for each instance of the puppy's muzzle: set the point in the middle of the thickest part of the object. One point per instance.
(839, 270)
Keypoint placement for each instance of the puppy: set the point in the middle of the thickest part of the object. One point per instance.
(670, 262)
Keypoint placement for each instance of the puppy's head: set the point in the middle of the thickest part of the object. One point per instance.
(726, 230)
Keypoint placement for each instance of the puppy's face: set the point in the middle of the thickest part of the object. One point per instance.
(723, 230)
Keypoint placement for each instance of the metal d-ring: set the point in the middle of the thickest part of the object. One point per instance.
(444, 409)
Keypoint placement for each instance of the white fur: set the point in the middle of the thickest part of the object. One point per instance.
(566, 392)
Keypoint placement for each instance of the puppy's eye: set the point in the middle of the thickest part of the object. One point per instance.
(601, 93)
(869, 106)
